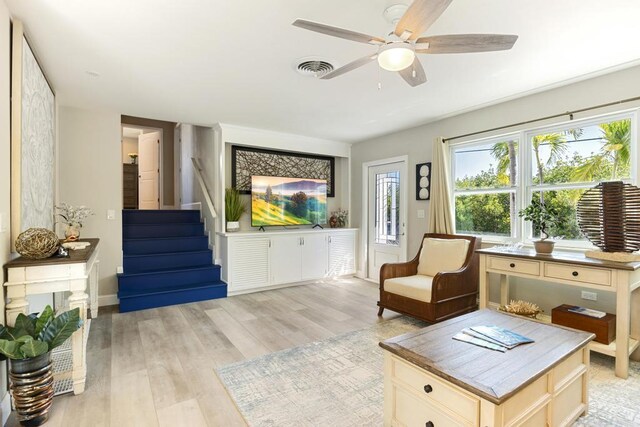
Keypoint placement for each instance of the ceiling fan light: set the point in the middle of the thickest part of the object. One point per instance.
(396, 56)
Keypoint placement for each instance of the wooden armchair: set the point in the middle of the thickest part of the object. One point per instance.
(436, 285)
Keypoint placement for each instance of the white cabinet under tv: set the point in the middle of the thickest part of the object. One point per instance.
(253, 261)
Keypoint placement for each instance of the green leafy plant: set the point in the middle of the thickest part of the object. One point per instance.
(234, 207)
(543, 217)
(35, 335)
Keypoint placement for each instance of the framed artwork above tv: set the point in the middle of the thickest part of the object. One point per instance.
(247, 162)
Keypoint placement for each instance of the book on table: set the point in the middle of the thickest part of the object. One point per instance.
(462, 336)
(587, 311)
(492, 337)
(504, 337)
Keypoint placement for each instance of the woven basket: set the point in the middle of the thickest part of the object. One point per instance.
(37, 243)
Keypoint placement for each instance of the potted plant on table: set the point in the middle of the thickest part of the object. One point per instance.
(73, 218)
(28, 346)
(234, 207)
(544, 218)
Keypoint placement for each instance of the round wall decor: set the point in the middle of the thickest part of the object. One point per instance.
(423, 181)
(608, 215)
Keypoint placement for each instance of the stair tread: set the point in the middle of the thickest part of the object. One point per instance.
(200, 251)
(132, 211)
(135, 239)
(163, 224)
(172, 270)
(168, 289)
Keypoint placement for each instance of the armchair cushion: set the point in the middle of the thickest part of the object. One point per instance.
(416, 287)
(441, 255)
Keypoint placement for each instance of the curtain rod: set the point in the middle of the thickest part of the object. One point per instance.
(568, 113)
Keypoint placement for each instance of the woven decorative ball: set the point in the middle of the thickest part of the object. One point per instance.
(608, 216)
(37, 243)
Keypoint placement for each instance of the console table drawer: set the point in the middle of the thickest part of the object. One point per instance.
(514, 265)
(431, 388)
(586, 275)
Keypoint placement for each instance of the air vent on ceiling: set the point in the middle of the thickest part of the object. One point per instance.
(314, 67)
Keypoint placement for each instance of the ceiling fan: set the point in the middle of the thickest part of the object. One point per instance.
(398, 51)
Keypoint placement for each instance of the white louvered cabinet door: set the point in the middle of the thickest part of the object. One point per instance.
(342, 250)
(249, 263)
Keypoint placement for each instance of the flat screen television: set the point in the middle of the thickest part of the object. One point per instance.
(288, 201)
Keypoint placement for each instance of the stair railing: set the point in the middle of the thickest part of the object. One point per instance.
(203, 187)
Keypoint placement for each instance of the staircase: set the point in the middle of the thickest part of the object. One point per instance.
(166, 260)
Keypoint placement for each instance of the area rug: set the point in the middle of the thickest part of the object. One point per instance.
(339, 382)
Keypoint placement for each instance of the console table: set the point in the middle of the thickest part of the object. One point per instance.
(76, 274)
(574, 269)
(433, 380)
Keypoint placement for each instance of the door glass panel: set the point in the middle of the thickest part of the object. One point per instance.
(387, 222)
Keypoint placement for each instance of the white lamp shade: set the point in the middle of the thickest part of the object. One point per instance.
(396, 56)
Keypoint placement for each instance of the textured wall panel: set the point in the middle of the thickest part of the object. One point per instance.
(37, 148)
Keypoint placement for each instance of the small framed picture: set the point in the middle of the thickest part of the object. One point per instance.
(423, 181)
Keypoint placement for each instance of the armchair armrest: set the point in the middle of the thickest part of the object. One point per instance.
(464, 281)
(400, 269)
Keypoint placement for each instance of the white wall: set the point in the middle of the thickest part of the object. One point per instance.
(91, 175)
(5, 177)
(129, 145)
(187, 151)
(417, 144)
(234, 135)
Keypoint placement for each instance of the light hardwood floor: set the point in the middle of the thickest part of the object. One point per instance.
(157, 367)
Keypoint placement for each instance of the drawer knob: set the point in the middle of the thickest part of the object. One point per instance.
(428, 424)
(574, 274)
(428, 388)
(512, 265)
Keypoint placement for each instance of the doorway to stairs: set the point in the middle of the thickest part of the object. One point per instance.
(141, 167)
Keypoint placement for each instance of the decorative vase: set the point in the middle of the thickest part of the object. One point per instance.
(543, 246)
(72, 232)
(233, 226)
(31, 385)
(333, 221)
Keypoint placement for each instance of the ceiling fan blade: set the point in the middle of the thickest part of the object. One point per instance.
(414, 74)
(349, 67)
(420, 16)
(338, 32)
(465, 43)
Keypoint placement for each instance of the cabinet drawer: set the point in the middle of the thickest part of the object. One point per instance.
(578, 274)
(514, 265)
(410, 411)
(431, 388)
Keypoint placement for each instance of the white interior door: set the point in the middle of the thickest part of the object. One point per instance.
(387, 201)
(148, 170)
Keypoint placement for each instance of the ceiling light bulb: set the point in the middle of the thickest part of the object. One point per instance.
(396, 56)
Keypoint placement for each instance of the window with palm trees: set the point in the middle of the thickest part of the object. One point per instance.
(558, 165)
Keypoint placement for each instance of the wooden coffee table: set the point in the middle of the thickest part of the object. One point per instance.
(433, 380)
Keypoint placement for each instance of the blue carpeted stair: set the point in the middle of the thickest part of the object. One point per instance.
(167, 260)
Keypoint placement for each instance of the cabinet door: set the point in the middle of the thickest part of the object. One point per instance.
(342, 259)
(249, 263)
(314, 256)
(285, 259)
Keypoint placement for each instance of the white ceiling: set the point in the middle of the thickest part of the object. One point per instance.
(204, 61)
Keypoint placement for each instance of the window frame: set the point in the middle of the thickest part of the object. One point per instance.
(525, 186)
(515, 233)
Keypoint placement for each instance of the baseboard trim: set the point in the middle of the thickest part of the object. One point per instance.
(105, 300)
(5, 407)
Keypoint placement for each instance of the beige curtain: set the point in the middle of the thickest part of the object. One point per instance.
(440, 218)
